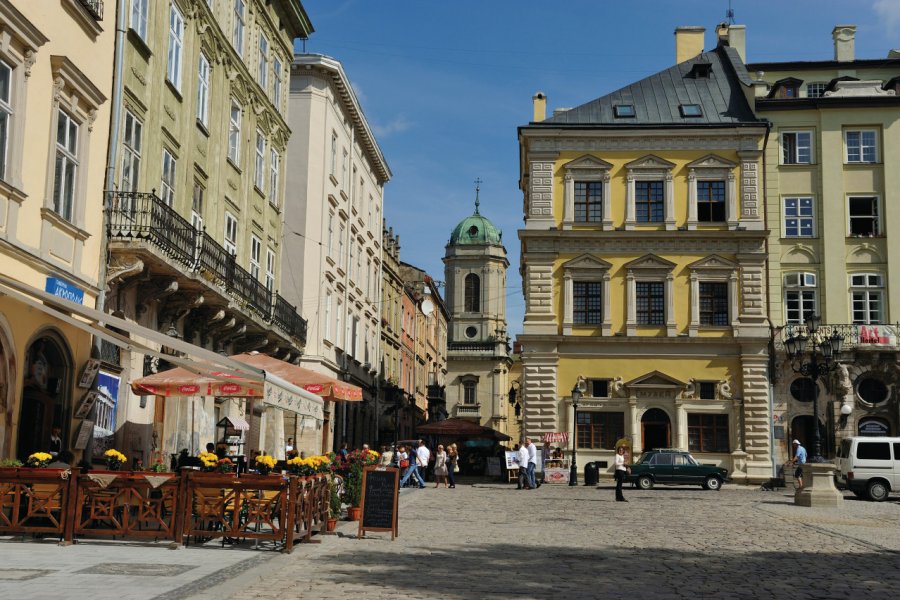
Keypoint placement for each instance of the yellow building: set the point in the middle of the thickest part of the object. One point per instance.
(55, 77)
(832, 205)
(643, 259)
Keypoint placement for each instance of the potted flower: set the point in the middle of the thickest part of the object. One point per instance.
(114, 459)
(224, 465)
(334, 503)
(39, 460)
(157, 467)
(10, 463)
(264, 464)
(210, 461)
(358, 460)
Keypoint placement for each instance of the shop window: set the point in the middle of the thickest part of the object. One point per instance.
(708, 433)
(600, 430)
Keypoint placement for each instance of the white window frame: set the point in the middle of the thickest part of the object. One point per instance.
(255, 255)
(203, 71)
(330, 247)
(712, 168)
(230, 237)
(259, 177)
(804, 285)
(274, 174)
(176, 46)
(262, 65)
(327, 334)
(65, 179)
(342, 257)
(197, 206)
(818, 85)
(798, 216)
(586, 169)
(277, 68)
(132, 140)
(333, 154)
(352, 265)
(239, 15)
(877, 227)
(795, 159)
(861, 146)
(344, 171)
(167, 179)
(139, 14)
(649, 268)
(270, 270)
(650, 168)
(714, 269)
(338, 320)
(6, 115)
(869, 287)
(586, 268)
(234, 132)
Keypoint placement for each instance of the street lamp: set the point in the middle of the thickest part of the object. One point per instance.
(811, 366)
(576, 396)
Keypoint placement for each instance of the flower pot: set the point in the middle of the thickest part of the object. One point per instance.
(353, 513)
(330, 524)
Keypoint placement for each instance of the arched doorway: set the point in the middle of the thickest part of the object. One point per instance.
(656, 429)
(802, 430)
(45, 397)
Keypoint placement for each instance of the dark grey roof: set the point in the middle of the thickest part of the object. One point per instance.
(657, 99)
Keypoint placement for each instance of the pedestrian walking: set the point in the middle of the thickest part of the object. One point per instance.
(522, 460)
(532, 461)
(387, 457)
(799, 459)
(419, 462)
(440, 467)
(452, 464)
(621, 471)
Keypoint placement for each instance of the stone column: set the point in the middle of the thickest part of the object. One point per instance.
(757, 419)
(681, 425)
(670, 201)
(692, 200)
(539, 398)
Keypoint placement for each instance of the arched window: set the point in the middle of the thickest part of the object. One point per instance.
(473, 293)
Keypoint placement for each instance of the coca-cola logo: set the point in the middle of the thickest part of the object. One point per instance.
(189, 389)
(230, 388)
(315, 388)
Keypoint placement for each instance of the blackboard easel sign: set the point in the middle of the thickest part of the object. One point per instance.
(378, 502)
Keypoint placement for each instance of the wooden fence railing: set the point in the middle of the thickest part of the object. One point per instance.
(170, 507)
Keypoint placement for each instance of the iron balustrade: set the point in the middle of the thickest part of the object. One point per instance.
(472, 346)
(95, 7)
(142, 216)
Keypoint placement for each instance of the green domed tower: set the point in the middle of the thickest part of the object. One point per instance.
(478, 359)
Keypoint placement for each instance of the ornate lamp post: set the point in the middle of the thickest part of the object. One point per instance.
(576, 396)
(813, 366)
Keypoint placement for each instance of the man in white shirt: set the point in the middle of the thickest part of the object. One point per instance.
(422, 457)
(532, 462)
(522, 456)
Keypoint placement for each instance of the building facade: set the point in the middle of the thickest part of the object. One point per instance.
(643, 261)
(56, 71)
(478, 358)
(333, 238)
(832, 206)
(194, 207)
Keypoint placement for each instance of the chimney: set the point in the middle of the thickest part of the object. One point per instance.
(737, 39)
(844, 37)
(688, 42)
(539, 100)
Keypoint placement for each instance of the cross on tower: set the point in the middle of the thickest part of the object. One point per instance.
(477, 189)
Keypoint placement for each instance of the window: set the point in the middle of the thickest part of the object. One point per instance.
(648, 201)
(255, 252)
(863, 215)
(5, 113)
(344, 185)
(861, 146)
(197, 206)
(472, 288)
(237, 34)
(352, 263)
(330, 247)
(796, 148)
(328, 315)
(176, 43)
(230, 233)
(470, 392)
(260, 161)
(707, 390)
(139, 17)
(66, 165)
(338, 332)
(588, 201)
(167, 185)
(262, 67)
(690, 110)
(713, 303)
(708, 433)
(587, 303)
(623, 110)
(799, 297)
(342, 258)
(359, 256)
(866, 298)
(711, 201)
(131, 153)
(803, 389)
(234, 133)
(599, 388)
(203, 90)
(354, 337)
(873, 451)
(872, 390)
(650, 302)
(600, 429)
(274, 168)
(798, 217)
(276, 83)
(333, 154)
(815, 90)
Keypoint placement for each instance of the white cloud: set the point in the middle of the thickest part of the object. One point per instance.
(398, 124)
(888, 11)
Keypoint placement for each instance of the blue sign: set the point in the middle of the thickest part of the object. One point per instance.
(65, 290)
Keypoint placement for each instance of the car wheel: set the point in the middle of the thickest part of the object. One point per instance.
(645, 482)
(877, 491)
(713, 483)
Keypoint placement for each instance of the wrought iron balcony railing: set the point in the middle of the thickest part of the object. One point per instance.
(95, 7)
(141, 216)
(856, 336)
(471, 346)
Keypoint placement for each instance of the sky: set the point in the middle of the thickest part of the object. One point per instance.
(444, 84)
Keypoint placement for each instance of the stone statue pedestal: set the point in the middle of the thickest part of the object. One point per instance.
(818, 487)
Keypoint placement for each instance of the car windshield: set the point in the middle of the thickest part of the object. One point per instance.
(644, 457)
(690, 459)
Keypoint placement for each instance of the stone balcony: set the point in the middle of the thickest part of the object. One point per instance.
(468, 410)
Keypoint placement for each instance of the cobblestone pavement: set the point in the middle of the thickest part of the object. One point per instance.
(490, 540)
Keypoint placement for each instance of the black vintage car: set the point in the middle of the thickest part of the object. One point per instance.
(674, 467)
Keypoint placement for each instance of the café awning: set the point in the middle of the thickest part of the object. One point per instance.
(458, 427)
(238, 423)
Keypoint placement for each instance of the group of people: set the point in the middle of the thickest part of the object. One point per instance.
(527, 459)
(415, 461)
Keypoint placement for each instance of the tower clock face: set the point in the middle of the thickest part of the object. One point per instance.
(471, 332)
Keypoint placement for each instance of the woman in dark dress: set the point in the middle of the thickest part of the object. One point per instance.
(452, 460)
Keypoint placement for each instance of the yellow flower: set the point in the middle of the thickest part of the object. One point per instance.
(114, 454)
(40, 456)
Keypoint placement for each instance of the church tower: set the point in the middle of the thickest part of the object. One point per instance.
(478, 358)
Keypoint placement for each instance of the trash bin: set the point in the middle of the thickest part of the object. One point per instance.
(591, 473)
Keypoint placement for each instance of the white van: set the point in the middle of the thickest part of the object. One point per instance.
(869, 466)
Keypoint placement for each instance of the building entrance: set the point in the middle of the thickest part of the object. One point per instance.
(656, 429)
(44, 397)
(802, 430)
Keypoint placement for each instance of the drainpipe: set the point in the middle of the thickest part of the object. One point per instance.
(772, 361)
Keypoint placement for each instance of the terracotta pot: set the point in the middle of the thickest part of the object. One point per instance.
(353, 513)
(330, 524)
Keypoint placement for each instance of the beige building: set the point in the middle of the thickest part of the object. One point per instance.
(333, 237)
(195, 205)
(55, 83)
(832, 204)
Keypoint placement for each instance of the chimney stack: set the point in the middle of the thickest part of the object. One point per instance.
(737, 39)
(844, 37)
(539, 100)
(688, 42)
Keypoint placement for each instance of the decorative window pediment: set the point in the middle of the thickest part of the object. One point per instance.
(587, 165)
(587, 178)
(710, 275)
(714, 262)
(586, 263)
(650, 161)
(717, 193)
(657, 208)
(656, 379)
(711, 161)
(586, 290)
(650, 262)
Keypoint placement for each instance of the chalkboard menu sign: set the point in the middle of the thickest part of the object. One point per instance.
(378, 501)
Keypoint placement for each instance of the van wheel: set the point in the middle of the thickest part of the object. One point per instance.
(877, 490)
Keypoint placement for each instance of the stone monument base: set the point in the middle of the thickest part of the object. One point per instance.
(818, 487)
